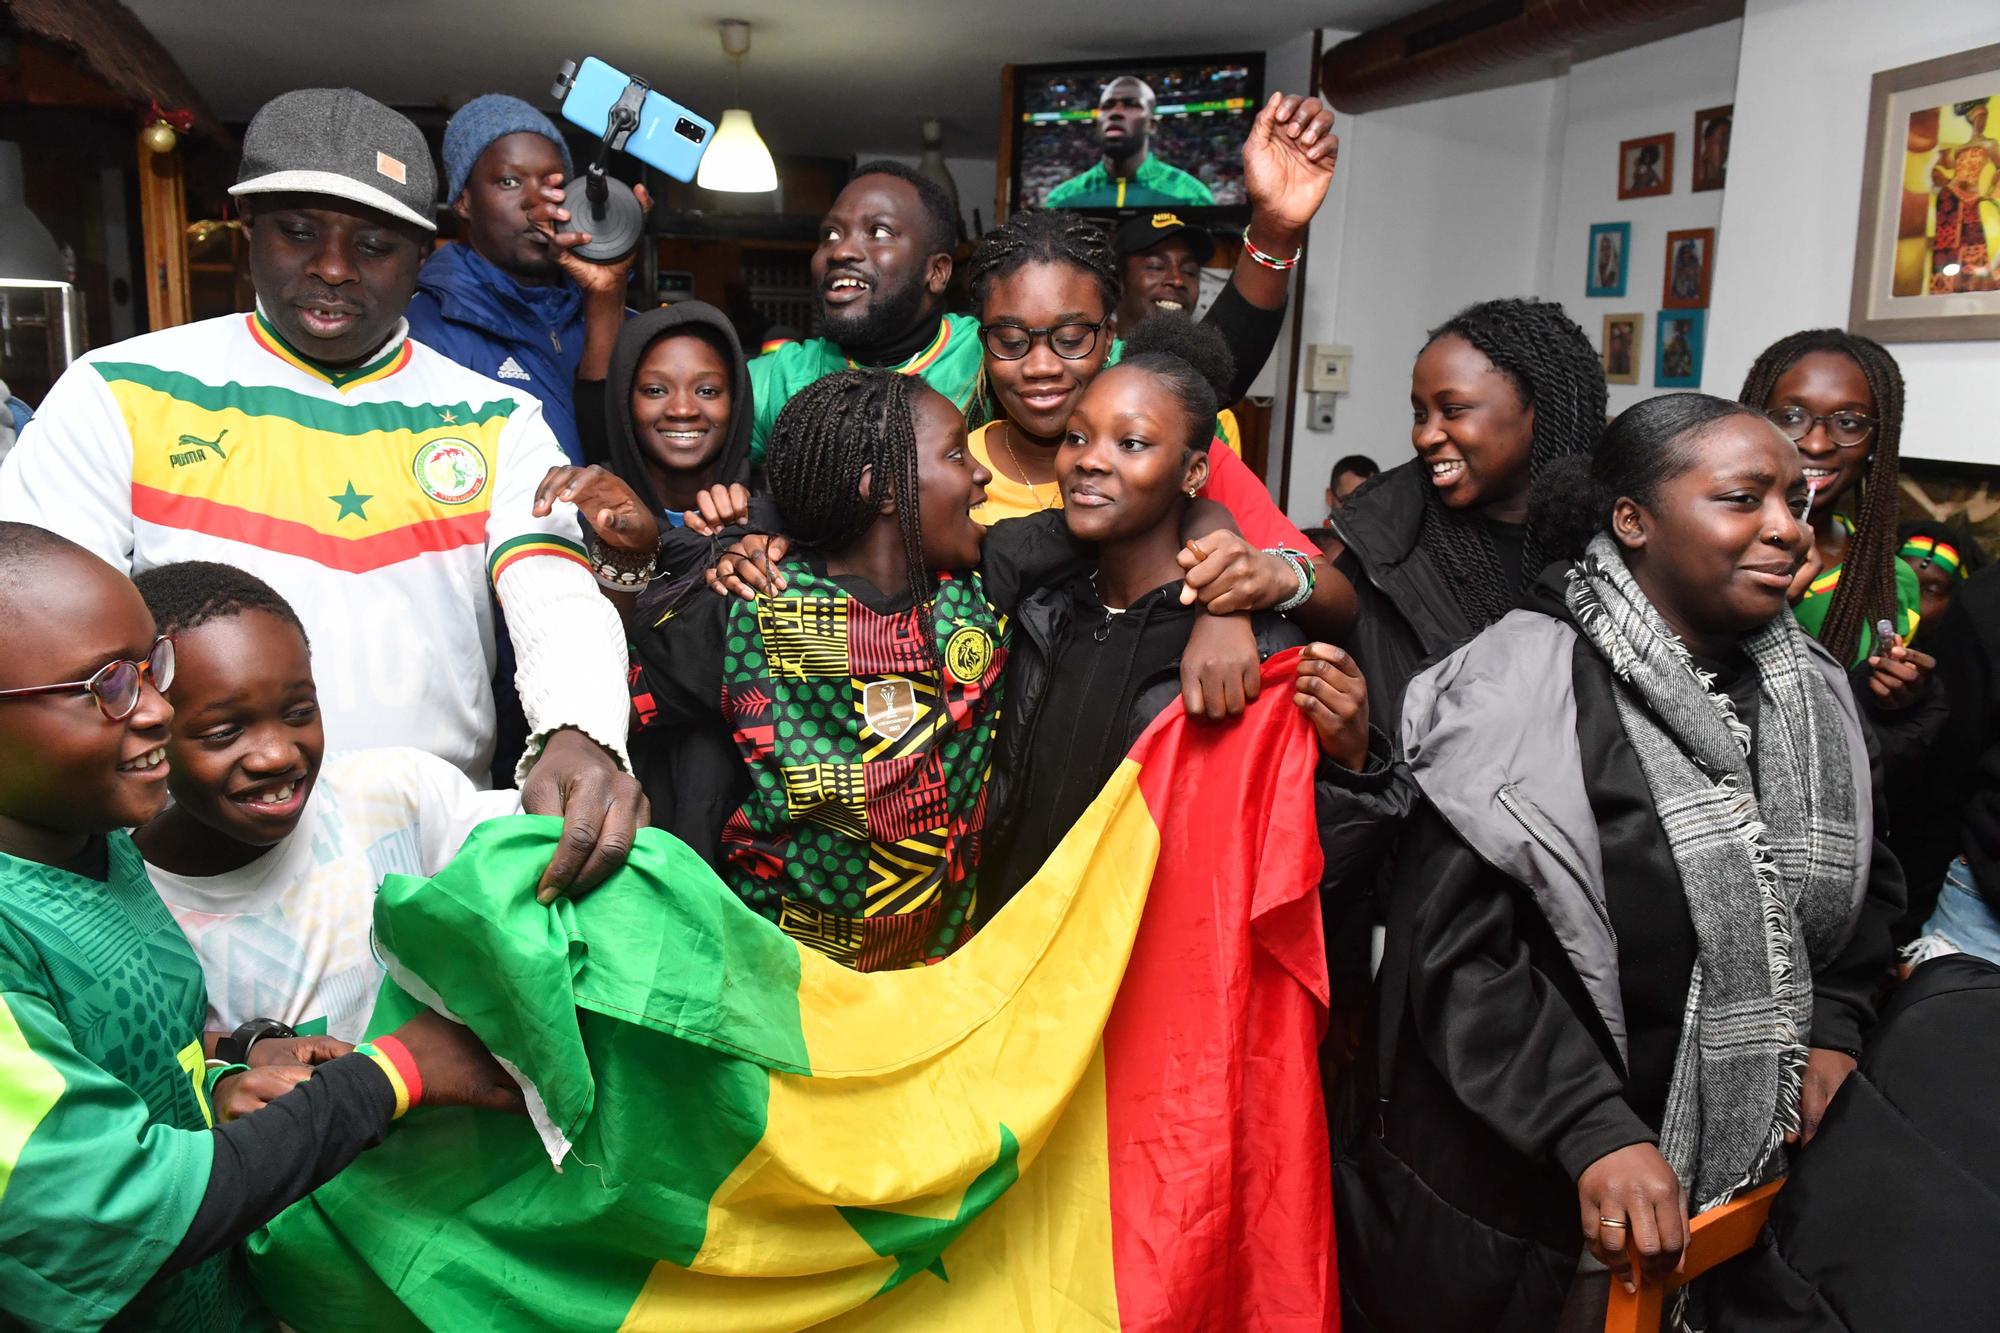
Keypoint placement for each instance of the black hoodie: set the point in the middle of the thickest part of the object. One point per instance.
(604, 414)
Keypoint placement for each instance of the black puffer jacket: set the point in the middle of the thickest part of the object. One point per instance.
(1890, 1218)
(1405, 612)
(1530, 997)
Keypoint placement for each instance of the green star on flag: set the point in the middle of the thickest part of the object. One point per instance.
(917, 1244)
(351, 504)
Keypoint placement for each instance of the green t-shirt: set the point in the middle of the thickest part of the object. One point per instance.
(104, 1143)
(1812, 608)
(950, 364)
(1153, 183)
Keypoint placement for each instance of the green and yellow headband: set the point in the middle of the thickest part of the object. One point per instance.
(1929, 550)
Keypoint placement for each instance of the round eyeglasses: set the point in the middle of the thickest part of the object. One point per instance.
(1071, 342)
(115, 685)
(1844, 429)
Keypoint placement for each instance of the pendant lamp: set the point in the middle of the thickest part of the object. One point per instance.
(737, 160)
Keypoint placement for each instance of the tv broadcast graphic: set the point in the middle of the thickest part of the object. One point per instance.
(1142, 133)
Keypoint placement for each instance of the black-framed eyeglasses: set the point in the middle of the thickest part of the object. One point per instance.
(1071, 342)
(1844, 429)
(115, 685)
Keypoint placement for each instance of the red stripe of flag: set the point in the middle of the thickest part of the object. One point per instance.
(1211, 1069)
(351, 555)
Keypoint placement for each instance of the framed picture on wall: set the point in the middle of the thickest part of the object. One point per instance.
(1646, 166)
(1609, 244)
(1924, 263)
(1711, 147)
(1677, 349)
(1690, 265)
(1621, 348)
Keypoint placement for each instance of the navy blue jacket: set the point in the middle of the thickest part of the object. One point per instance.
(529, 338)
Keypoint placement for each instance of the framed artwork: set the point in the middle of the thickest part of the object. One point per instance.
(1677, 349)
(1711, 147)
(1646, 166)
(1690, 265)
(1621, 348)
(1609, 244)
(1930, 222)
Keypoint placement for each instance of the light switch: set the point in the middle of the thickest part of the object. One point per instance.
(1326, 368)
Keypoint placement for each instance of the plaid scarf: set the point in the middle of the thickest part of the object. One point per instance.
(1762, 831)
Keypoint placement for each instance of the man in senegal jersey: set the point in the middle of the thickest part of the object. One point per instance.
(1129, 176)
(378, 486)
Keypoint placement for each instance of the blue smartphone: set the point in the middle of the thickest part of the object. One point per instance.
(669, 137)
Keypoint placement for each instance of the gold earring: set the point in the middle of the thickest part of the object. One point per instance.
(1191, 493)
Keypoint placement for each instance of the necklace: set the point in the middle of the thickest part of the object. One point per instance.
(1007, 443)
(1103, 631)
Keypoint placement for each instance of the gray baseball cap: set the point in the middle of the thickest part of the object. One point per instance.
(339, 142)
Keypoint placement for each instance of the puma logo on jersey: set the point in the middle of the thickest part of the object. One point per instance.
(199, 453)
(510, 369)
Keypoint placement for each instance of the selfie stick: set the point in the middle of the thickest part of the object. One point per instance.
(611, 212)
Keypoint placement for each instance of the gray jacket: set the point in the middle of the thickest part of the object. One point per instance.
(1490, 735)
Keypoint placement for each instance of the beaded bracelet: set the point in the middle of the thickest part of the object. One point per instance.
(620, 571)
(1302, 567)
(394, 1060)
(1270, 261)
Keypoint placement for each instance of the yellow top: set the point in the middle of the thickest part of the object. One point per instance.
(1008, 498)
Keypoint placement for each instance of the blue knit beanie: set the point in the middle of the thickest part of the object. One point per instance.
(481, 121)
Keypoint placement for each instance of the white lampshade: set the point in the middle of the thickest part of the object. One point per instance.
(738, 161)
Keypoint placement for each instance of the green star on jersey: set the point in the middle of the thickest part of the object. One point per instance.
(352, 504)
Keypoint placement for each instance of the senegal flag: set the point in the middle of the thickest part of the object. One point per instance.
(1103, 1112)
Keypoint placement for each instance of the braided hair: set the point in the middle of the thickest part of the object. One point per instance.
(1046, 236)
(1195, 364)
(1867, 590)
(1555, 370)
(826, 436)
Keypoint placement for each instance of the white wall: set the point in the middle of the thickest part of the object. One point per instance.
(1434, 206)
(1786, 257)
(1648, 90)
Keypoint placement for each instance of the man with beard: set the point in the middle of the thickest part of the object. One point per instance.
(498, 301)
(881, 270)
(1128, 176)
(377, 485)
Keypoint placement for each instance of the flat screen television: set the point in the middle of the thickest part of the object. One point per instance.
(1116, 136)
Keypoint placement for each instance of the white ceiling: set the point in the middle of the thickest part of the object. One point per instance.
(830, 77)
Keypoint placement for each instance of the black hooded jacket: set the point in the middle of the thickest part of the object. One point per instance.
(604, 415)
(690, 770)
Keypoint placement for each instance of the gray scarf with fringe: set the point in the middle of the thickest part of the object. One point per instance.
(1762, 832)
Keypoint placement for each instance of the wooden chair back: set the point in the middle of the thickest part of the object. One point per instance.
(1717, 1235)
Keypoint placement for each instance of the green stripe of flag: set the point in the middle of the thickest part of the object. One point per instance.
(263, 400)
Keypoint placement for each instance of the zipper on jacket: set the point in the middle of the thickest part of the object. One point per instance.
(1537, 828)
(555, 342)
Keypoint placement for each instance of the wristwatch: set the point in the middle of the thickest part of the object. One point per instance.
(235, 1048)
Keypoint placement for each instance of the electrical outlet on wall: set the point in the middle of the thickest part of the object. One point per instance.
(1319, 411)
(1326, 368)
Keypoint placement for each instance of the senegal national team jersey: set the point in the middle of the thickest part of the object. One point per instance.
(104, 1143)
(949, 364)
(1152, 184)
(378, 501)
(867, 725)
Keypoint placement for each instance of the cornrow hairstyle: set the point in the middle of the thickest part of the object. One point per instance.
(826, 436)
(1046, 236)
(940, 214)
(189, 593)
(1193, 361)
(1867, 589)
(1555, 369)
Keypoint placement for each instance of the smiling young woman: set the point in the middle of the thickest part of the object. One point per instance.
(1542, 902)
(1442, 546)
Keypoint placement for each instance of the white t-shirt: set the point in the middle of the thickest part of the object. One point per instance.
(291, 935)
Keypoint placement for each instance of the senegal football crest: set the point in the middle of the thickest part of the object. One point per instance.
(450, 471)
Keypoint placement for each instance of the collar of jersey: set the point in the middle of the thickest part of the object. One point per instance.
(921, 362)
(391, 357)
